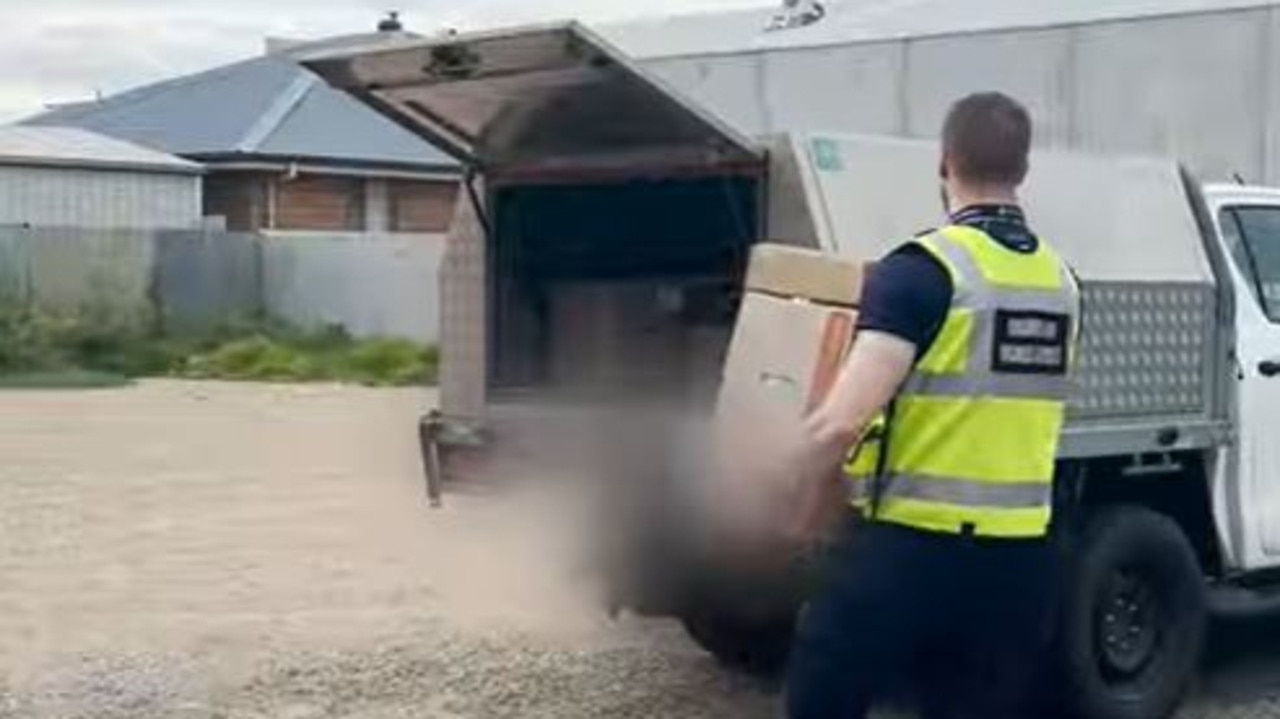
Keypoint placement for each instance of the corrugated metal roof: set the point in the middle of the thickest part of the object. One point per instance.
(850, 21)
(74, 147)
(266, 106)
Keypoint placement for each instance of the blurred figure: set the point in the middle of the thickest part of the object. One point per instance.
(953, 397)
(797, 13)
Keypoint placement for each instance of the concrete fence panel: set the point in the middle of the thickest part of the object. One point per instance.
(729, 86)
(204, 279)
(1032, 65)
(1191, 87)
(851, 88)
(1271, 140)
(373, 286)
(15, 269)
(101, 274)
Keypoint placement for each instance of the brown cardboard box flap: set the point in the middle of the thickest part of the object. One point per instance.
(789, 271)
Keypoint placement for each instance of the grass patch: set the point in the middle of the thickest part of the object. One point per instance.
(379, 363)
(56, 351)
(70, 379)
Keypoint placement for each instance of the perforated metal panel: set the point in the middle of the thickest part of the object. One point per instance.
(1145, 349)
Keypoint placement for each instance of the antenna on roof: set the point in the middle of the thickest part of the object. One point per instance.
(1239, 180)
(391, 23)
(796, 13)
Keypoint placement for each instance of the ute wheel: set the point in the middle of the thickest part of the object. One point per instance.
(756, 647)
(1133, 619)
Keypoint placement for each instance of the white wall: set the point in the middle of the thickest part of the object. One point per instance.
(1204, 88)
(865, 92)
(374, 286)
(1191, 87)
(98, 199)
(1031, 65)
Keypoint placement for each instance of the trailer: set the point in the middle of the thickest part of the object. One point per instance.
(605, 230)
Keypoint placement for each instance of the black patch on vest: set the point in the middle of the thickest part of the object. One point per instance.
(1030, 342)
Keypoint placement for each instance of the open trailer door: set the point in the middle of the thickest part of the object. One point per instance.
(548, 105)
(536, 99)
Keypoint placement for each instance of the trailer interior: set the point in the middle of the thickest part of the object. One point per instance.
(622, 290)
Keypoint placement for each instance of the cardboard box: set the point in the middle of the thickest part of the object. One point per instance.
(788, 271)
(794, 330)
(784, 357)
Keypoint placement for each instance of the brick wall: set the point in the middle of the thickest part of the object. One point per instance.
(418, 206)
(317, 202)
(252, 201)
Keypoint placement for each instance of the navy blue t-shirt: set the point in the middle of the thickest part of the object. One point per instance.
(908, 293)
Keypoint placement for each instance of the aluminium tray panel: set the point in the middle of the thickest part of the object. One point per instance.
(1145, 350)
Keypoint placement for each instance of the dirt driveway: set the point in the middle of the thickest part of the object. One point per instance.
(208, 550)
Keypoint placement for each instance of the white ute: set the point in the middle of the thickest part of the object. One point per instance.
(593, 185)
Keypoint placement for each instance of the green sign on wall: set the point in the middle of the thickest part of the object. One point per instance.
(826, 154)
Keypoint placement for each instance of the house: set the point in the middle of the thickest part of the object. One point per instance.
(56, 177)
(283, 151)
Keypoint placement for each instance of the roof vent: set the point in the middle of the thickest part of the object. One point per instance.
(391, 23)
(797, 13)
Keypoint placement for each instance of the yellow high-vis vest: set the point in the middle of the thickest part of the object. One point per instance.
(971, 439)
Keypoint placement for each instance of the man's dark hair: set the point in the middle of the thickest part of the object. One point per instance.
(987, 136)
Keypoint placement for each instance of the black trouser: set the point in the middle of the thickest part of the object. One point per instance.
(963, 619)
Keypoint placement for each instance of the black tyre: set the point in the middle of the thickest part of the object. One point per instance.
(757, 647)
(1133, 617)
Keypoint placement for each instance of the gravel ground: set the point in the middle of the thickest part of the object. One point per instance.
(238, 551)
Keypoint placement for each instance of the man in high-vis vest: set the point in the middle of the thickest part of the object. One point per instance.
(943, 428)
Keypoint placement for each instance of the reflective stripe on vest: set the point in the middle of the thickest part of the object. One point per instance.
(974, 433)
(1027, 495)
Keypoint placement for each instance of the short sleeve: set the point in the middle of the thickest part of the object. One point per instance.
(908, 295)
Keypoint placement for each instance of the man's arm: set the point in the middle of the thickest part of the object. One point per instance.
(877, 365)
(904, 302)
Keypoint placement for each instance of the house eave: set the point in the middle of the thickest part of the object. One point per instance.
(327, 166)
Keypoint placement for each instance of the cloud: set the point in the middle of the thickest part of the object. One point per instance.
(57, 59)
(65, 50)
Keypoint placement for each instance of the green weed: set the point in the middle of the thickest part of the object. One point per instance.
(45, 347)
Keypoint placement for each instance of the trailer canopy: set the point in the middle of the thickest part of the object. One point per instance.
(555, 97)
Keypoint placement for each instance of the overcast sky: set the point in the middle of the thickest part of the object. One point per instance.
(65, 50)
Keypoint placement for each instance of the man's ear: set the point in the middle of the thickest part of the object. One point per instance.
(943, 172)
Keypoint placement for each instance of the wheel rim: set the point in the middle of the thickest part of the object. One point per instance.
(1128, 626)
